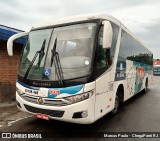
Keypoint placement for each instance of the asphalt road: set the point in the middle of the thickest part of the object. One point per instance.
(139, 114)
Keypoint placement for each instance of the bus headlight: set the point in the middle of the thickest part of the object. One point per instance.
(79, 97)
(19, 91)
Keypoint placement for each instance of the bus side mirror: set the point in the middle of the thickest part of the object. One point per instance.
(107, 34)
(11, 40)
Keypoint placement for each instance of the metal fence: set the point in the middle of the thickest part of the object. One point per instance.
(7, 92)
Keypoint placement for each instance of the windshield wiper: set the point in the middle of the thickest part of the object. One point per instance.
(41, 54)
(56, 60)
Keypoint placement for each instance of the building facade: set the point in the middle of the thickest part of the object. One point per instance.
(156, 67)
(8, 65)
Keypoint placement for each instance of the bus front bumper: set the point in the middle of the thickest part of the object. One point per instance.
(81, 112)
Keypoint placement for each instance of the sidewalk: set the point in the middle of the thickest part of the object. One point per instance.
(10, 113)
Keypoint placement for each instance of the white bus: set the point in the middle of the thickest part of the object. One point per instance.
(79, 69)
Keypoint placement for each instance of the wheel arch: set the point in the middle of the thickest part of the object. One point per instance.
(120, 92)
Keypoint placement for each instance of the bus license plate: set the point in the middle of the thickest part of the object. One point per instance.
(42, 116)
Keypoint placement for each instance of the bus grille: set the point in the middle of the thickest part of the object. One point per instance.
(53, 113)
(46, 101)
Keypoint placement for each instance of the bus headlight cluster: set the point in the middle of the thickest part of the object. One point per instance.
(19, 91)
(79, 97)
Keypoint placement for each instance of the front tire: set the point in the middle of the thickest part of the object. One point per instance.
(146, 86)
(116, 106)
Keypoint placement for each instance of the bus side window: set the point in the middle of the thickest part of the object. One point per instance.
(103, 56)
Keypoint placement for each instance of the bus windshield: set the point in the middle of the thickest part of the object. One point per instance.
(68, 48)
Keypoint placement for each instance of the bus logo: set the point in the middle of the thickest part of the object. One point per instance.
(56, 92)
(40, 100)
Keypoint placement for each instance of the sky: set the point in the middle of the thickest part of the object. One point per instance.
(140, 16)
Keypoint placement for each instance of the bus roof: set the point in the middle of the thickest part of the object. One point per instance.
(78, 18)
(87, 17)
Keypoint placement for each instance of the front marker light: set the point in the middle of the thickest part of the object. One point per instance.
(79, 97)
(19, 91)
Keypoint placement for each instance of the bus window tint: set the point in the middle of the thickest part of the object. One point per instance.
(131, 49)
(125, 46)
(103, 56)
(115, 29)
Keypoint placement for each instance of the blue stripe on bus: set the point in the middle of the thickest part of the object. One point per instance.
(68, 90)
(27, 86)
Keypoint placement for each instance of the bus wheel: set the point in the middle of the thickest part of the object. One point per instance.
(146, 86)
(116, 106)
